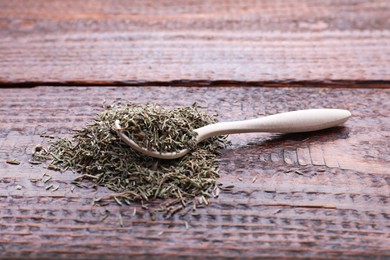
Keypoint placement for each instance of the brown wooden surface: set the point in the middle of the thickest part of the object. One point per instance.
(111, 42)
(313, 195)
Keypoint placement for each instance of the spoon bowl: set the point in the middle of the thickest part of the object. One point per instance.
(288, 122)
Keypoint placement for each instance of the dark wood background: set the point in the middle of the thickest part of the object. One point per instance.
(314, 195)
(111, 42)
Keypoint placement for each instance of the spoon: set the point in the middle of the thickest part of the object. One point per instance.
(288, 122)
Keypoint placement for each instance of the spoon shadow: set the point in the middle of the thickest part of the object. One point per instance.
(272, 142)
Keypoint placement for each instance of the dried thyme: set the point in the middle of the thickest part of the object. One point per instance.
(98, 154)
(13, 162)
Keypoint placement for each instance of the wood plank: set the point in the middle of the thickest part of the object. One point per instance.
(313, 195)
(133, 42)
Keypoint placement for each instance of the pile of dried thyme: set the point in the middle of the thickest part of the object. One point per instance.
(98, 154)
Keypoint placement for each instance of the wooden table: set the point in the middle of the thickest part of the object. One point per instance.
(315, 195)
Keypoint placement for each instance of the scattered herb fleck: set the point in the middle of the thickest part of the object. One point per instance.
(13, 162)
(105, 215)
(49, 186)
(34, 162)
(53, 167)
(55, 188)
(254, 179)
(35, 180)
(46, 177)
(45, 135)
(120, 220)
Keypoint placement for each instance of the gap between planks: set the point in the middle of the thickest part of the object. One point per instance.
(205, 83)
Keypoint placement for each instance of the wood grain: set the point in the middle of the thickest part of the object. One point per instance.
(314, 195)
(134, 42)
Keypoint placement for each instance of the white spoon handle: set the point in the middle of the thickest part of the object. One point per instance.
(289, 122)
